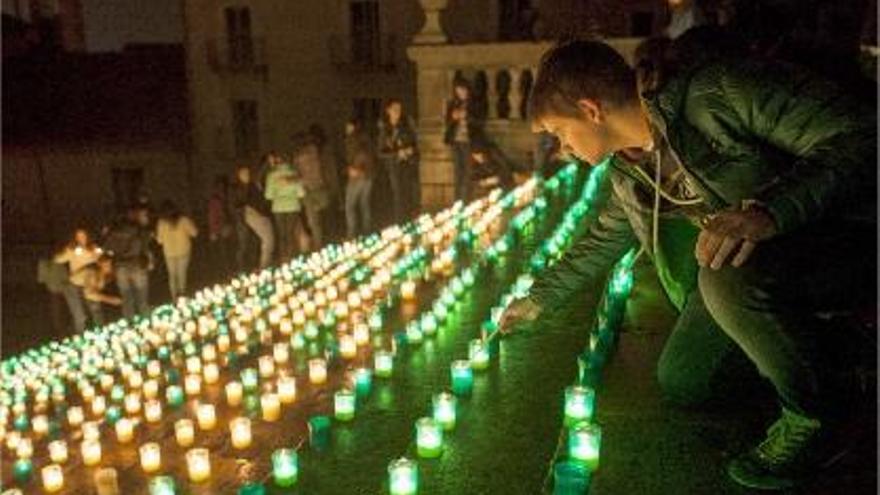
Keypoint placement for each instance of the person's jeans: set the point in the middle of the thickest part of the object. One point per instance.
(133, 285)
(313, 217)
(262, 227)
(768, 307)
(289, 230)
(74, 298)
(97, 312)
(357, 197)
(399, 186)
(461, 160)
(177, 269)
(242, 244)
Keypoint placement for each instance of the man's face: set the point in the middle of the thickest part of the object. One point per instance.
(585, 138)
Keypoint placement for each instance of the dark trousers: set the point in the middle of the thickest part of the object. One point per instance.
(461, 161)
(404, 180)
(289, 227)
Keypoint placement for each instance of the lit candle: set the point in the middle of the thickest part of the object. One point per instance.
(174, 396)
(462, 377)
(478, 354)
(22, 470)
(53, 478)
(151, 457)
(584, 441)
(271, 406)
(132, 403)
(124, 430)
(184, 432)
(211, 373)
(75, 416)
(233, 393)
(363, 382)
(347, 347)
(153, 411)
(414, 333)
(267, 366)
(162, 485)
(40, 424)
(408, 290)
(99, 405)
(383, 362)
(319, 432)
(285, 467)
(344, 405)
(25, 448)
(106, 481)
(403, 477)
(579, 404)
(317, 371)
(58, 451)
(281, 352)
(361, 334)
(198, 464)
(151, 389)
(154, 369)
(240, 430)
(429, 438)
(91, 452)
(91, 430)
(206, 416)
(570, 478)
(192, 384)
(249, 379)
(286, 389)
(444, 410)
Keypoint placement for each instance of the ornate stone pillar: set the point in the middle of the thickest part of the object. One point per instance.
(432, 32)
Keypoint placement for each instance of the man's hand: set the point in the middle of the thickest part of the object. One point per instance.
(733, 231)
(519, 311)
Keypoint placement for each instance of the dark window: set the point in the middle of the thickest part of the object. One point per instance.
(516, 18)
(365, 32)
(367, 111)
(641, 24)
(246, 127)
(128, 184)
(238, 36)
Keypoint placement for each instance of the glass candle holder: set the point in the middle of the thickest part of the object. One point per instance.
(153, 411)
(478, 353)
(361, 334)
(151, 389)
(99, 405)
(91, 452)
(584, 442)
(207, 416)
(281, 352)
(271, 407)
(462, 378)
(344, 404)
(184, 432)
(579, 404)
(347, 347)
(319, 432)
(383, 363)
(234, 392)
(414, 333)
(151, 457)
(285, 467)
(317, 371)
(40, 425)
(408, 290)
(58, 451)
(429, 438)
(363, 382)
(75, 416)
(192, 384)
(403, 477)
(286, 389)
(240, 430)
(107, 481)
(267, 366)
(124, 430)
(25, 448)
(211, 373)
(174, 396)
(22, 470)
(53, 478)
(444, 410)
(570, 478)
(91, 430)
(162, 485)
(198, 464)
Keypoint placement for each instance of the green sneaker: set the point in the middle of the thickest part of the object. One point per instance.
(784, 458)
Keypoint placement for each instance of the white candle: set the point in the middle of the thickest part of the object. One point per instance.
(287, 389)
(132, 403)
(267, 366)
(154, 369)
(153, 411)
(75, 416)
(198, 463)
(58, 451)
(53, 478)
(106, 482)
(91, 431)
(240, 429)
(408, 290)
(91, 452)
(193, 365)
(347, 347)
(192, 384)
(317, 371)
(151, 457)
(233, 393)
(206, 416)
(41, 424)
(361, 334)
(211, 373)
(271, 407)
(25, 448)
(124, 430)
(99, 405)
(281, 352)
(151, 389)
(184, 431)
(135, 380)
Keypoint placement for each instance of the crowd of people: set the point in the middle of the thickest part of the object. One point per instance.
(271, 212)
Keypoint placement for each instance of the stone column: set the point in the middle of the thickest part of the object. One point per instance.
(515, 95)
(432, 32)
(492, 92)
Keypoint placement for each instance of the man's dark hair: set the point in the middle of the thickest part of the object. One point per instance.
(579, 70)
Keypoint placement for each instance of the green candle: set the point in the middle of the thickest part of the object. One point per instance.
(363, 379)
(444, 410)
(162, 485)
(478, 353)
(319, 432)
(22, 470)
(403, 477)
(285, 467)
(252, 489)
(344, 405)
(584, 441)
(174, 395)
(250, 379)
(429, 438)
(462, 377)
(383, 362)
(579, 404)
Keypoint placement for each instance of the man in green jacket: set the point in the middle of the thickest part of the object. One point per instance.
(753, 188)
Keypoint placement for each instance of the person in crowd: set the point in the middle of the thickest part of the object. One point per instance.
(128, 242)
(399, 154)
(307, 161)
(251, 208)
(489, 161)
(175, 232)
(220, 226)
(97, 277)
(77, 254)
(333, 179)
(683, 15)
(727, 224)
(285, 191)
(360, 163)
(464, 122)
(55, 277)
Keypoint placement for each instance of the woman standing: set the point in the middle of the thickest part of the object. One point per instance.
(284, 189)
(252, 210)
(399, 153)
(79, 253)
(359, 162)
(463, 125)
(175, 232)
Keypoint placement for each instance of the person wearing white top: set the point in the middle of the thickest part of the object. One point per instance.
(79, 253)
(175, 232)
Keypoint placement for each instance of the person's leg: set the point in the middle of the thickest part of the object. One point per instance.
(313, 217)
(242, 240)
(97, 312)
(126, 290)
(394, 178)
(141, 284)
(183, 272)
(351, 204)
(73, 297)
(262, 227)
(415, 191)
(467, 179)
(366, 189)
(171, 267)
(283, 234)
(459, 163)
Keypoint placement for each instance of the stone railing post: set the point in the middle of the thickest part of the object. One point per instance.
(515, 95)
(432, 32)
